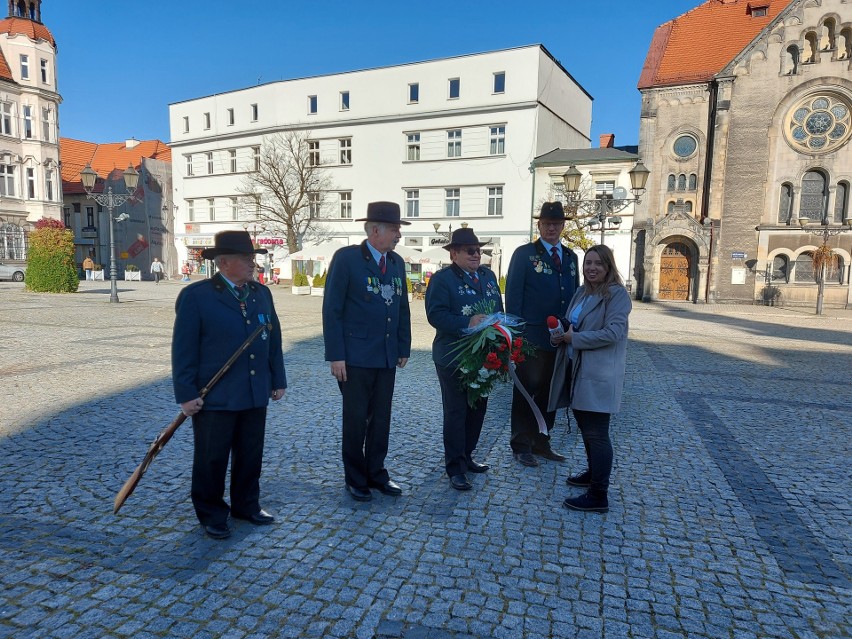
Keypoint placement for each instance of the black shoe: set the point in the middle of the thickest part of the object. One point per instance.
(262, 518)
(388, 488)
(359, 494)
(526, 459)
(475, 467)
(588, 502)
(218, 531)
(583, 480)
(460, 482)
(549, 453)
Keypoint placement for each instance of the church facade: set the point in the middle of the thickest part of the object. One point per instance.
(745, 126)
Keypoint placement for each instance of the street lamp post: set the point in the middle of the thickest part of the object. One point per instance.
(111, 200)
(826, 233)
(603, 211)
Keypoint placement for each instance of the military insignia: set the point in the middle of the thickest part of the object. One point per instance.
(466, 310)
(540, 266)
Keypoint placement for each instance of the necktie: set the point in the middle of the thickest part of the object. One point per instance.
(557, 263)
(475, 278)
(382, 265)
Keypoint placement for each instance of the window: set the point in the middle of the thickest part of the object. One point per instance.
(681, 182)
(413, 147)
(25, 67)
(232, 157)
(230, 117)
(495, 200)
(454, 143)
(412, 203)
(452, 202)
(28, 122)
(413, 93)
(671, 182)
(314, 204)
(500, 82)
(758, 12)
(312, 104)
(785, 203)
(45, 124)
(841, 202)
(313, 153)
(66, 216)
(346, 151)
(190, 210)
(344, 100)
(498, 140)
(693, 181)
(6, 118)
(684, 146)
(186, 124)
(189, 172)
(604, 190)
(48, 185)
(804, 269)
(206, 120)
(211, 208)
(813, 200)
(254, 113)
(455, 88)
(346, 206)
(45, 76)
(90, 217)
(781, 269)
(235, 209)
(256, 154)
(31, 190)
(7, 180)
(209, 164)
(819, 123)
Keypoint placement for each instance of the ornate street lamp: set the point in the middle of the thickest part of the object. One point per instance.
(825, 251)
(111, 200)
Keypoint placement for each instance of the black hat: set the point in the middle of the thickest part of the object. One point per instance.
(384, 212)
(551, 211)
(463, 237)
(231, 243)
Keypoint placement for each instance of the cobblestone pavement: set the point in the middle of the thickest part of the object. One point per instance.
(730, 511)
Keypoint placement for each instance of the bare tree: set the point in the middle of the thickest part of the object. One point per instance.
(288, 187)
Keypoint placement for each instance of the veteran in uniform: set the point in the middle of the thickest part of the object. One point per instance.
(367, 332)
(541, 280)
(452, 294)
(213, 318)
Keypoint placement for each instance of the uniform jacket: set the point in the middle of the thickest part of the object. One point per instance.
(450, 297)
(365, 316)
(209, 328)
(535, 289)
(600, 351)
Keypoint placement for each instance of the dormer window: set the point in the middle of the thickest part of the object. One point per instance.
(758, 11)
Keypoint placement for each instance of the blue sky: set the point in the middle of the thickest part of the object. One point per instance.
(121, 64)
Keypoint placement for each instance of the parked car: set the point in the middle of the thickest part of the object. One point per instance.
(14, 272)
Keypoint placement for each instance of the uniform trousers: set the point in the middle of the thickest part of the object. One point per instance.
(462, 424)
(218, 436)
(367, 398)
(535, 373)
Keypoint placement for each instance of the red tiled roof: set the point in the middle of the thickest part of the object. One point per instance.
(33, 30)
(697, 45)
(106, 159)
(5, 71)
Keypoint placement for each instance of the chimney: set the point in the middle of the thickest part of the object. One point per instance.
(133, 142)
(607, 140)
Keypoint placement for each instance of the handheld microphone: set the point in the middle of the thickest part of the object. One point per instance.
(555, 328)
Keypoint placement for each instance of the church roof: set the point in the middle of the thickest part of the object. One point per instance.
(109, 159)
(697, 45)
(23, 26)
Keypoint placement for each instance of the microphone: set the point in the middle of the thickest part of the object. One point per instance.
(555, 328)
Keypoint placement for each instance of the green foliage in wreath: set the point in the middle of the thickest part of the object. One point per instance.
(51, 267)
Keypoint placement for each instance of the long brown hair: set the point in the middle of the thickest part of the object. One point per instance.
(612, 276)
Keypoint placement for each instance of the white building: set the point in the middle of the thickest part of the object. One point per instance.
(451, 140)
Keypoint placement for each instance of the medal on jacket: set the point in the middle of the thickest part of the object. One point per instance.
(261, 318)
(242, 296)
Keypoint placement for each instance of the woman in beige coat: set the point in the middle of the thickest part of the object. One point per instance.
(589, 371)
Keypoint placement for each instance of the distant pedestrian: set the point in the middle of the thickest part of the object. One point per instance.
(88, 266)
(185, 270)
(157, 269)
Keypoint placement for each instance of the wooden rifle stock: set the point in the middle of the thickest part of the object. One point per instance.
(164, 437)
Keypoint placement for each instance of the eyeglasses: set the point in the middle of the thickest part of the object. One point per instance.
(470, 250)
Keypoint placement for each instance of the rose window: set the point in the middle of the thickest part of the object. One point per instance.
(819, 124)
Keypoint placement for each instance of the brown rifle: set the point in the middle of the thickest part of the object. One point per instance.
(164, 437)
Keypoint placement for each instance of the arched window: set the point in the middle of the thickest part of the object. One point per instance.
(671, 185)
(841, 269)
(687, 207)
(841, 202)
(814, 196)
(791, 61)
(811, 48)
(785, 203)
(681, 182)
(804, 271)
(693, 181)
(781, 269)
(20, 12)
(844, 44)
(826, 42)
(670, 208)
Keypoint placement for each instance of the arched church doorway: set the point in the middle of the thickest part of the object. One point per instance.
(675, 270)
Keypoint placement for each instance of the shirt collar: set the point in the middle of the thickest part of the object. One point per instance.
(375, 253)
(549, 247)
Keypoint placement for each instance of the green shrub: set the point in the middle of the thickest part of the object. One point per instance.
(319, 281)
(300, 279)
(502, 283)
(51, 267)
(131, 267)
(409, 285)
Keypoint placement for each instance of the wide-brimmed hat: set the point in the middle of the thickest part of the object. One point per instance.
(231, 243)
(463, 237)
(383, 212)
(551, 211)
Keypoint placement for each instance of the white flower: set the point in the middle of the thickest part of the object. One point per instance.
(467, 310)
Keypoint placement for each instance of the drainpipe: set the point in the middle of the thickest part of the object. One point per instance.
(532, 198)
(708, 175)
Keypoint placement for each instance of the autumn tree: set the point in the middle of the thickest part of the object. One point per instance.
(288, 187)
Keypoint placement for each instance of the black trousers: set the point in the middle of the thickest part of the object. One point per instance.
(535, 373)
(595, 430)
(462, 424)
(367, 398)
(218, 436)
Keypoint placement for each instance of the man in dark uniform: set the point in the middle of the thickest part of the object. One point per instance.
(367, 331)
(452, 293)
(541, 280)
(213, 318)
